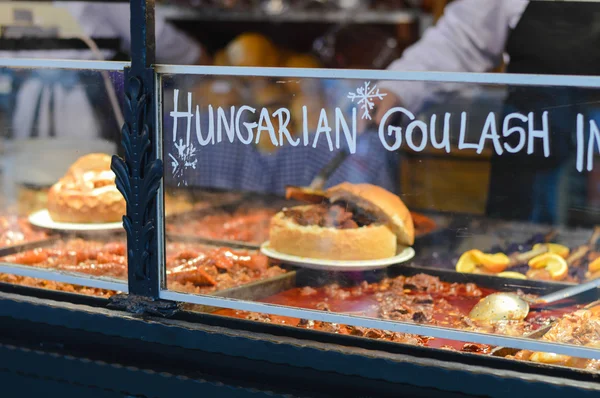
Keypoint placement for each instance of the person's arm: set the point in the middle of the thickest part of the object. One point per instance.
(172, 45)
(175, 47)
(470, 37)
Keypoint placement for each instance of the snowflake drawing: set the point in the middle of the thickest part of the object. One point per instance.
(365, 97)
(184, 159)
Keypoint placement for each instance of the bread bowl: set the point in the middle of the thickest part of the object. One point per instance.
(87, 193)
(355, 222)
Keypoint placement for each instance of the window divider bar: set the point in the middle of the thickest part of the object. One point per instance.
(387, 75)
(64, 277)
(62, 64)
(394, 326)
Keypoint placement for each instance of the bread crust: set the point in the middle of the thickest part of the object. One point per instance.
(365, 243)
(386, 205)
(70, 201)
(76, 207)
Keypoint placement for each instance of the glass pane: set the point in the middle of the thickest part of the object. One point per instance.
(60, 209)
(481, 189)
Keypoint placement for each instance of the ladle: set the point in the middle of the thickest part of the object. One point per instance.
(537, 334)
(509, 306)
(314, 192)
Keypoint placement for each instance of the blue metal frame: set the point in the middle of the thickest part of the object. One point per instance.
(274, 354)
(140, 173)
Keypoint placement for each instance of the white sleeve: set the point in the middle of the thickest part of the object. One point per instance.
(172, 45)
(470, 37)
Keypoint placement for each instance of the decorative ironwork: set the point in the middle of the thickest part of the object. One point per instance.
(138, 179)
(140, 172)
(141, 305)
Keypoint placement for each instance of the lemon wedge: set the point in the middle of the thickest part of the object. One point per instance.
(511, 274)
(551, 262)
(555, 248)
(594, 265)
(467, 263)
(493, 262)
(475, 261)
(549, 358)
(541, 260)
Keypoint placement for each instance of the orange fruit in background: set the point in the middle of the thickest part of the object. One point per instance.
(252, 49)
(301, 61)
(221, 58)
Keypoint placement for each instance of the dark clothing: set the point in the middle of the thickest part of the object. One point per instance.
(551, 38)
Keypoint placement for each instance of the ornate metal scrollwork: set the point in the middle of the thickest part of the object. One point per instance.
(138, 179)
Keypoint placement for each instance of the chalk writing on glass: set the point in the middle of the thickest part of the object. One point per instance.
(247, 124)
(392, 136)
(185, 155)
(365, 96)
(337, 128)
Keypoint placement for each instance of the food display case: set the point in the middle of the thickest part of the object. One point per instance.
(252, 232)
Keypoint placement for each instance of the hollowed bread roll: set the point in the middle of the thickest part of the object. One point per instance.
(378, 222)
(375, 241)
(87, 193)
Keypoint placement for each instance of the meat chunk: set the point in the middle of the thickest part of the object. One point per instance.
(336, 215)
(579, 328)
(404, 307)
(477, 348)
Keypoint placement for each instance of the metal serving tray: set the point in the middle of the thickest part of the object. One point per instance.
(251, 291)
(263, 289)
(305, 277)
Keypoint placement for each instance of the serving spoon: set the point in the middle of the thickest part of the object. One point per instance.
(314, 192)
(509, 306)
(537, 334)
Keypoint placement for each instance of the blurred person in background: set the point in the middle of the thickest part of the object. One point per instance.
(536, 37)
(261, 166)
(68, 103)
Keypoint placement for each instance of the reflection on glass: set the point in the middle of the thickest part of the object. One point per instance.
(487, 194)
(60, 206)
(260, 134)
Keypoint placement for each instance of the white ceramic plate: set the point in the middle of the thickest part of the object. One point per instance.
(334, 265)
(42, 219)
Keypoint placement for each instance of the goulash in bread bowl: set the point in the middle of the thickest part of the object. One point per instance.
(354, 222)
(87, 193)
